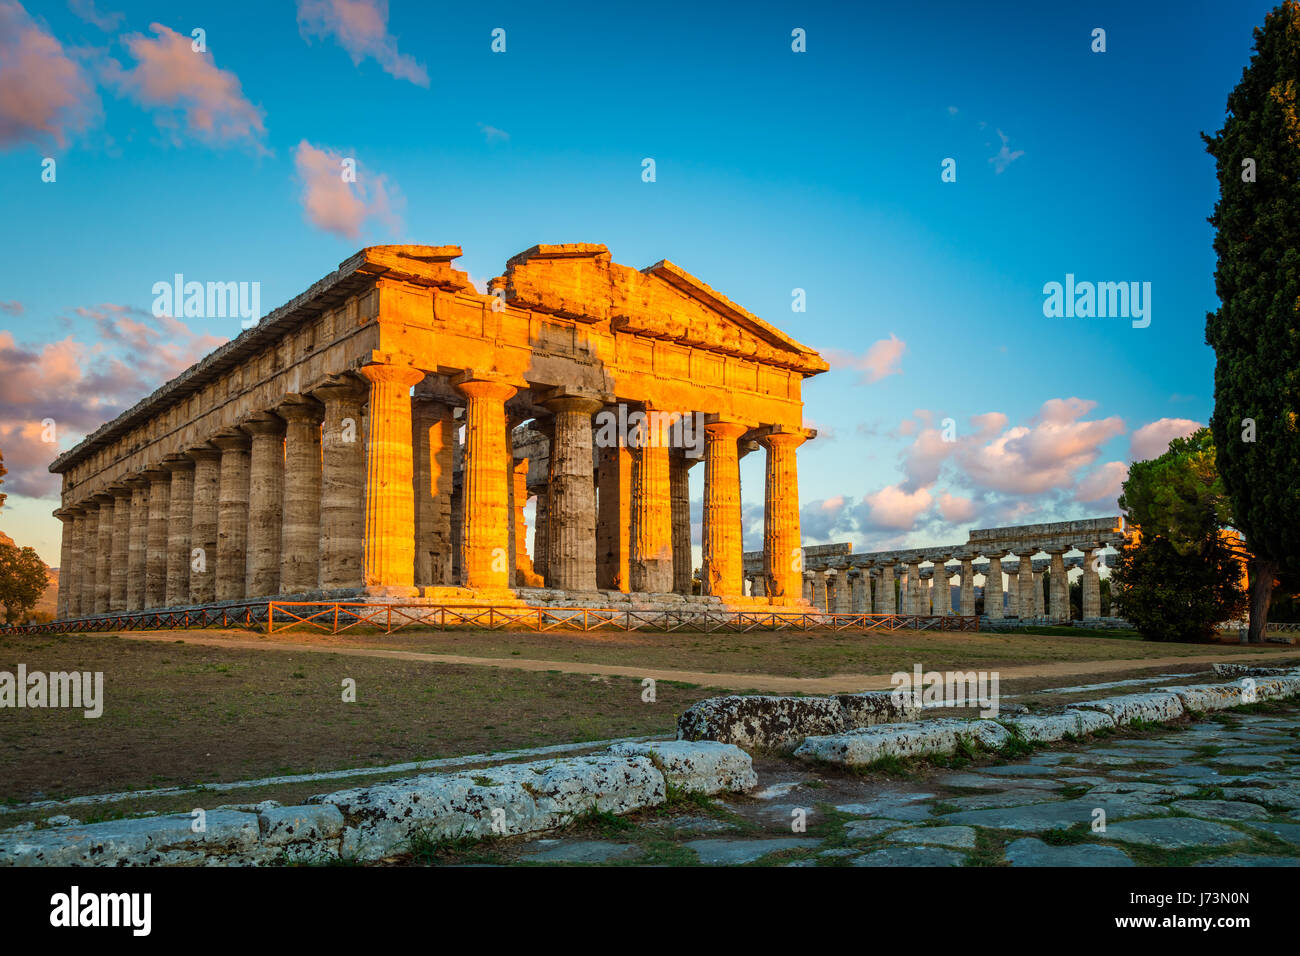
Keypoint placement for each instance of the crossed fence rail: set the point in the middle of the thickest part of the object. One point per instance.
(335, 617)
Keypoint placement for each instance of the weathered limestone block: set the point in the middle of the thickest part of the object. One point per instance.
(703, 766)
(1247, 670)
(142, 842)
(877, 707)
(1124, 710)
(761, 721)
(281, 826)
(1044, 728)
(869, 744)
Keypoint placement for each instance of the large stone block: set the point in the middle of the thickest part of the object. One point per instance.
(869, 744)
(284, 825)
(146, 841)
(1044, 728)
(777, 722)
(703, 766)
(1155, 706)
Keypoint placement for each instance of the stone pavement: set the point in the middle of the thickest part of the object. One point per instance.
(1222, 791)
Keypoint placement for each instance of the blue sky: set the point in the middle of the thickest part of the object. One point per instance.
(775, 170)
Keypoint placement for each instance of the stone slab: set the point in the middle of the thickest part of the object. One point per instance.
(737, 852)
(911, 856)
(1030, 851)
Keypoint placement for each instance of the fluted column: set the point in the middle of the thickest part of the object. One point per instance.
(571, 564)
(102, 546)
(301, 498)
(843, 593)
(68, 521)
(541, 531)
(886, 601)
(857, 584)
(679, 495)
(967, 592)
(433, 425)
(806, 583)
(343, 478)
(1091, 586)
(1025, 580)
(916, 601)
(138, 533)
(782, 546)
(723, 551)
(1040, 609)
(993, 588)
(941, 588)
(652, 550)
(820, 597)
(232, 517)
(203, 524)
(120, 547)
(154, 578)
(614, 518)
(1060, 610)
(265, 506)
(758, 587)
(80, 553)
(390, 475)
(485, 519)
(180, 516)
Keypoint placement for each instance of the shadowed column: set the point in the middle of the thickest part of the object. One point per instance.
(1060, 587)
(300, 510)
(679, 495)
(68, 520)
(343, 476)
(180, 517)
(78, 561)
(993, 588)
(886, 600)
(265, 506)
(485, 518)
(723, 557)
(1090, 590)
(614, 520)
(1025, 581)
(652, 547)
(941, 588)
(967, 593)
(782, 554)
(203, 524)
(232, 517)
(155, 543)
(390, 482)
(571, 564)
(103, 546)
(137, 546)
(433, 426)
(120, 547)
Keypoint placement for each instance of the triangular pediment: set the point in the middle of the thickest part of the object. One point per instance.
(580, 281)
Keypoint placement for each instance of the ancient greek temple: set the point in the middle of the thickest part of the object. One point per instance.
(371, 439)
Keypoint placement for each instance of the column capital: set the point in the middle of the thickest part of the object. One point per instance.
(136, 480)
(234, 440)
(344, 388)
(125, 489)
(175, 463)
(392, 372)
(269, 425)
(203, 453)
(784, 436)
(572, 398)
(102, 498)
(156, 475)
(477, 386)
(302, 410)
(64, 514)
(724, 430)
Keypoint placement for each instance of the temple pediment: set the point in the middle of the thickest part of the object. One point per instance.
(579, 281)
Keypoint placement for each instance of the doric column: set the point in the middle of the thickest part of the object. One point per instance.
(843, 592)
(993, 588)
(155, 538)
(103, 555)
(806, 580)
(300, 505)
(967, 599)
(820, 597)
(886, 599)
(614, 518)
(343, 480)
(485, 519)
(433, 425)
(1060, 587)
(782, 545)
(1040, 609)
(905, 589)
(679, 495)
(1025, 579)
(652, 549)
(941, 587)
(758, 585)
(265, 506)
(859, 582)
(541, 531)
(120, 547)
(1091, 582)
(916, 597)
(723, 550)
(390, 481)
(68, 520)
(203, 524)
(77, 563)
(137, 545)
(180, 517)
(571, 563)
(232, 517)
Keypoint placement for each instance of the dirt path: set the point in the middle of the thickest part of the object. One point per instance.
(836, 683)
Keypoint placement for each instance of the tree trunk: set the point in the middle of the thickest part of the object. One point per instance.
(1261, 573)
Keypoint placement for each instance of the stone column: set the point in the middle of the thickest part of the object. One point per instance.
(1091, 586)
(571, 562)
(758, 586)
(1025, 578)
(299, 547)
(782, 545)
(941, 588)
(180, 515)
(679, 494)
(1040, 605)
(203, 524)
(232, 516)
(120, 547)
(843, 592)
(155, 549)
(389, 551)
(525, 574)
(541, 533)
(806, 580)
(886, 600)
(343, 482)
(993, 588)
(1060, 587)
(967, 592)
(434, 426)
(138, 544)
(77, 563)
(95, 580)
(68, 520)
(916, 602)
(265, 506)
(858, 581)
(652, 548)
(722, 554)
(614, 518)
(819, 595)
(485, 518)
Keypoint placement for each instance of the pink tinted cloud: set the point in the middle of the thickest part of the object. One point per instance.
(361, 28)
(337, 206)
(44, 95)
(87, 11)
(1152, 441)
(893, 508)
(80, 383)
(1103, 484)
(956, 509)
(881, 360)
(197, 98)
